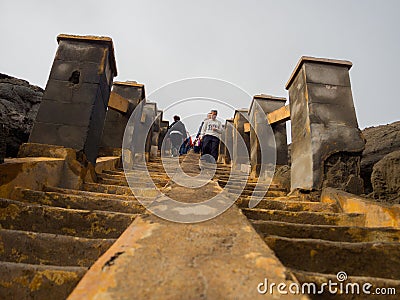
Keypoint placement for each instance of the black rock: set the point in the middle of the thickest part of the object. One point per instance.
(380, 141)
(19, 104)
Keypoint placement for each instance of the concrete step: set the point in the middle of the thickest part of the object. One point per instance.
(107, 189)
(304, 217)
(145, 184)
(137, 174)
(281, 198)
(372, 259)
(290, 205)
(250, 185)
(151, 169)
(104, 176)
(387, 288)
(42, 218)
(50, 249)
(326, 232)
(77, 201)
(98, 195)
(119, 190)
(25, 281)
(269, 193)
(91, 194)
(112, 181)
(223, 180)
(223, 170)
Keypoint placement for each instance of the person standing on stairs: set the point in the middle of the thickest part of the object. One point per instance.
(197, 142)
(177, 134)
(211, 132)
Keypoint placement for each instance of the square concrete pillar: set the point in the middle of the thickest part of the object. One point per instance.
(74, 104)
(326, 141)
(157, 127)
(156, 132)
(143, 129)
(275, 140)
(116, 120)
(228, 140)
(222, 148)
(241, 155)
(163, 131)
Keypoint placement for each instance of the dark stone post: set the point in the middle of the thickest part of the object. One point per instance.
(156, 133)
(152, 138)
(326, 141)
(163, 131)
(116, 121)
(241, 155)
(259, 109)
(74, 104)
(143, 130)
(222, 148)
(228, 140)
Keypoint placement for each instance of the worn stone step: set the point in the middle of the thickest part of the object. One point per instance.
(134, 174)
(372, 259)
(222, 170)
(281, 198)
(145, 184)
(83, 223)
(353, 286)
(50, 249)
(269, 193)
(249, 183)
(223, 180)
(160, 180)
(150, 183)
(77, 201)
(155, 170)
(119, 190)
(98, 195)
(304, 217)
(326, 232)
(90, 194)
(107, 189)
(119, 172)
(251, 187)
(290, 205)
(227, 173)
(112, 181)
(26, 281)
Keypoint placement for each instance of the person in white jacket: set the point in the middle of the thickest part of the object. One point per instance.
(211, 132)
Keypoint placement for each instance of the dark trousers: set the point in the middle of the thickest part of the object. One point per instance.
(210, 146)
(176, 141)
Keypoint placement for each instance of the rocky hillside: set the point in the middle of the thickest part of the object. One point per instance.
(19, 104)
(385, 178)
(381, 140)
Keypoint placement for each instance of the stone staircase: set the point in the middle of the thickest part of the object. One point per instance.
(316, 241)
(49, 238)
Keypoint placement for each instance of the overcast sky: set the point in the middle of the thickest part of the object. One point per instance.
(254, 45)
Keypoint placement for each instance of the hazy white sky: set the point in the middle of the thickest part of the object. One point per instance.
(252, 44)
